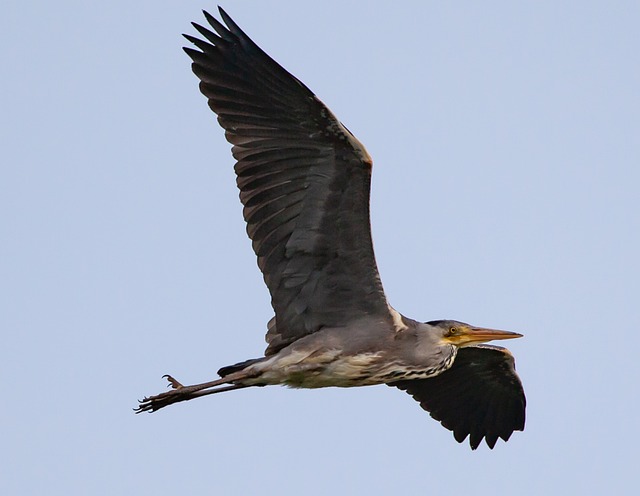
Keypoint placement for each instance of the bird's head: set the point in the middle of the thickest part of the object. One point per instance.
(460, 334)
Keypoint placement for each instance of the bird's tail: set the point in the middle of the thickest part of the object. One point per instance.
(230, 369)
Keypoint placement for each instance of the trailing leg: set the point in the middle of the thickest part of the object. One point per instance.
(184, 393)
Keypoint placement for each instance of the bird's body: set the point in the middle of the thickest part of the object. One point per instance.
(321, 359)
(304, 181)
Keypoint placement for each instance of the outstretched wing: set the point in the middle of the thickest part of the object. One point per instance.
(304, 182)
(480, 396)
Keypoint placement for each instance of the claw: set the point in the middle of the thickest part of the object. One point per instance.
(172, 382)
(153, 403)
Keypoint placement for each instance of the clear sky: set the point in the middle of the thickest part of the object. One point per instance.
(506, 141)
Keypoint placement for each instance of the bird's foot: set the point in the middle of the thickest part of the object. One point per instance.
(153, 403)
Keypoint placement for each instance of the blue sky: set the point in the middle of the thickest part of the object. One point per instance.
(506, 142)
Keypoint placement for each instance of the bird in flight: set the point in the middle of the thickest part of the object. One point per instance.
(304, 182)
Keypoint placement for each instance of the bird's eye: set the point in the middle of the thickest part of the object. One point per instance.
(452, 331)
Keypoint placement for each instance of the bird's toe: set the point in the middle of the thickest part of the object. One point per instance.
(173, 382)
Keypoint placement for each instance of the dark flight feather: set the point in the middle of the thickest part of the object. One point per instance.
(480, 396)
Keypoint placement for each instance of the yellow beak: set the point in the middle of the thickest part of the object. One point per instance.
(472, 335)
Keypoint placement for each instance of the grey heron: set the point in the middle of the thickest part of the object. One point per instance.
(304, 182)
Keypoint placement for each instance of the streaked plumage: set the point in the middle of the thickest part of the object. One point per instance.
(304, 182)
